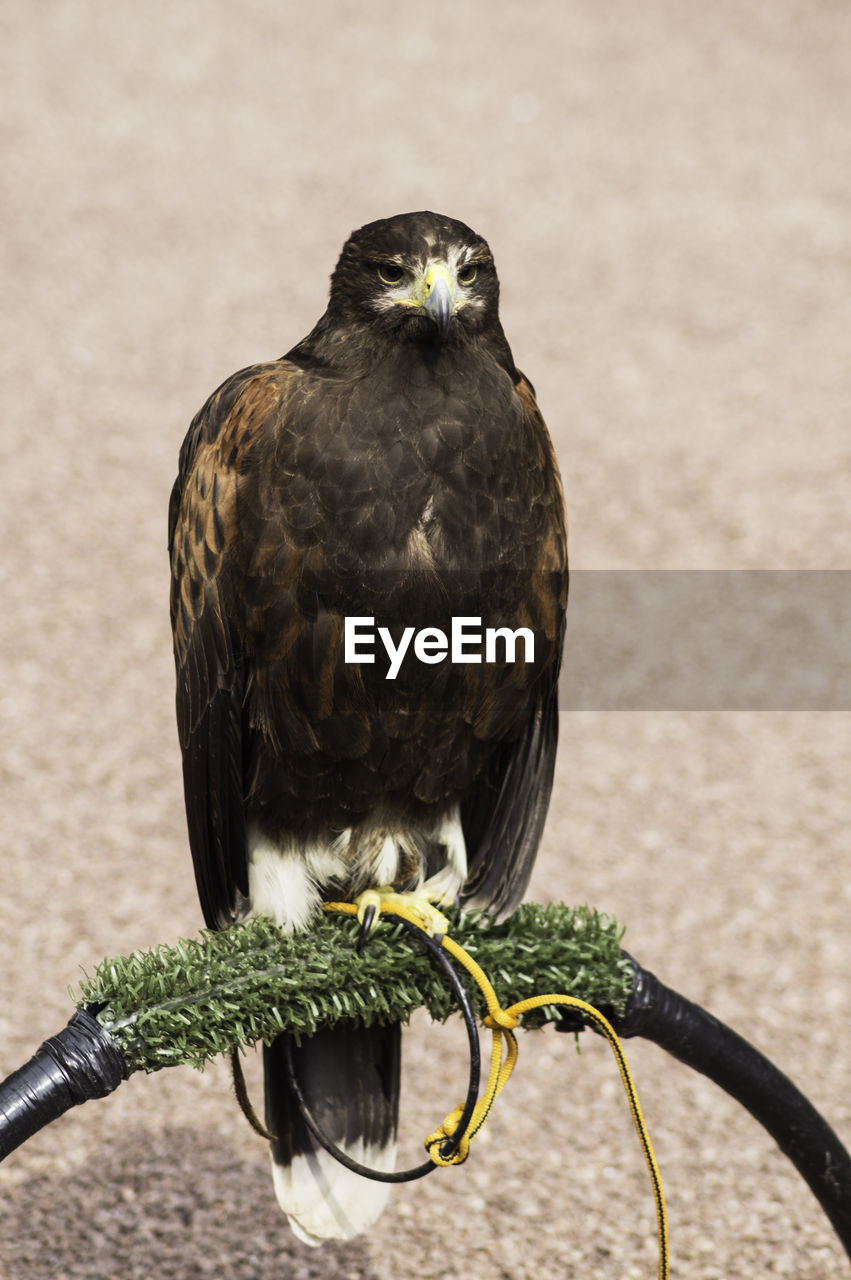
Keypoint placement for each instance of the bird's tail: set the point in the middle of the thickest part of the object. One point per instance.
(349, 1078)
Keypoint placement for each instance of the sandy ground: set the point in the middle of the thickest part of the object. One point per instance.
(666, 188)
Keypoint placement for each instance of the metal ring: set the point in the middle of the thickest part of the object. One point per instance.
(452, 1143)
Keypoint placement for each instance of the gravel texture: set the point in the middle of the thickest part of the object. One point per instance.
(666, 188)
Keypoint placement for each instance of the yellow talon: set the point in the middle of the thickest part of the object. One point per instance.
(432, 920)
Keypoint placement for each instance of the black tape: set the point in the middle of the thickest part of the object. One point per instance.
(698, 1039)
(79, 1063)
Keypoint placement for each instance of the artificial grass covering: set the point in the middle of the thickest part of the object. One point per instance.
(191, 1002)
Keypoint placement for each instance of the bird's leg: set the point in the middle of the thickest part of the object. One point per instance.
(418, 903)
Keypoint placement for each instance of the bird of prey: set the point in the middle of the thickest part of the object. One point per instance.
(390, 477)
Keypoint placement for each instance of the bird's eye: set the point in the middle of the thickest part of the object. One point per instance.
(467, 274)
(390, 273)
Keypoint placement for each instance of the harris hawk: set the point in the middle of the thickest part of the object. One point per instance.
(392, 472)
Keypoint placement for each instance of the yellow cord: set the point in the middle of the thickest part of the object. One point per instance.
(502, 1023)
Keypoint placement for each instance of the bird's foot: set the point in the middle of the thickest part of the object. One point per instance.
(369, 906)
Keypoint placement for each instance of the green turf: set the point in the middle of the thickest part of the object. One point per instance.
(191, 1002)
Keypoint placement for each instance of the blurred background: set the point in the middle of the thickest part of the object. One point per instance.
(666, 190)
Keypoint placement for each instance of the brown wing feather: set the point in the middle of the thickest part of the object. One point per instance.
(504, 819)
(205, 613)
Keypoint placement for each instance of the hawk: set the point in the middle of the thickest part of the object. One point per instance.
(390, 477)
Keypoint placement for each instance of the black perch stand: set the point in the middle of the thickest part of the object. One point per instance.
(698, 1039)
(83, 1062)
(79, 1063)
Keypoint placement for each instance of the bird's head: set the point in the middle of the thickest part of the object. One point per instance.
(420, 276)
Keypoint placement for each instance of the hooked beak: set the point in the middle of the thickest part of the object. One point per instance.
(439, 303)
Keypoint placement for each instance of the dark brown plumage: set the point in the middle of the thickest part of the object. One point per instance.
(394, 465)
